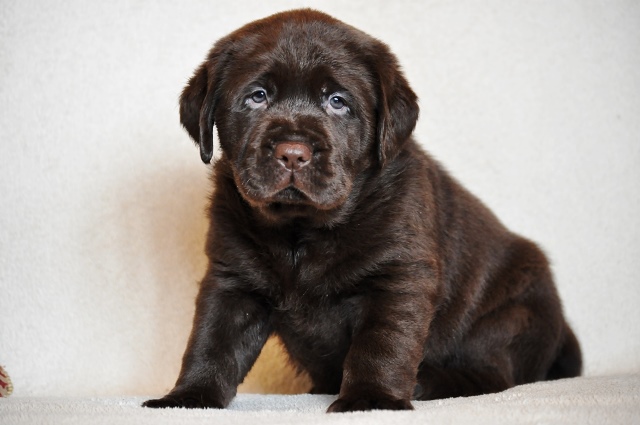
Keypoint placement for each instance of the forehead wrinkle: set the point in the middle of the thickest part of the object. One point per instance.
(309, 45)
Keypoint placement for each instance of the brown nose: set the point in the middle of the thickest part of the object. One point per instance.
(293, 155)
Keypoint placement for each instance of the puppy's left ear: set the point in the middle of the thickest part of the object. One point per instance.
(198, 102)
(397, 109)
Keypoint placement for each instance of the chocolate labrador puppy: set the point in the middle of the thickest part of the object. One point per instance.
(385, 279)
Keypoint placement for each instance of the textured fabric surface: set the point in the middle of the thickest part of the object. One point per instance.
(598, 401)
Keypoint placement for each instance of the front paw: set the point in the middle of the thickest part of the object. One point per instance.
(365, 404)
(192, 400)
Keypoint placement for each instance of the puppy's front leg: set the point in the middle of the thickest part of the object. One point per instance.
(380, 369)
(229, 330)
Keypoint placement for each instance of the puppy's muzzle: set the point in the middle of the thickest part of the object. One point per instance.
(293, 155)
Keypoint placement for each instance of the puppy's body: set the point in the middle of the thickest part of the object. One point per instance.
(385, 279)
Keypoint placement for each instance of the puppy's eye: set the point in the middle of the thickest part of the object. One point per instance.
(337, 105)
(259, 96)
(337, 102)
(257, 99)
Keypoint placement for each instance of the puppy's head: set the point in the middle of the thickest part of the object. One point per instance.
(305, 106)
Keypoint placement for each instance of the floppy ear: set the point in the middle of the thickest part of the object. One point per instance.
(198, 102)
(397, 109)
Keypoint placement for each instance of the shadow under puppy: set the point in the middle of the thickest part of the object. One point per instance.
(385, 279)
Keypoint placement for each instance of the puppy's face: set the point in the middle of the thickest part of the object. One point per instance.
(296, 121)
(302, 108)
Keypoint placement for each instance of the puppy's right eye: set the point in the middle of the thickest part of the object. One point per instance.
(257, 99)
(259, 96)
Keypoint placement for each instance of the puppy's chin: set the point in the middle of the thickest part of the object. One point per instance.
(292, 203)
(291, 195)
(278, 212)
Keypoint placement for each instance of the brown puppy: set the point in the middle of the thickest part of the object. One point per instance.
(385, 279)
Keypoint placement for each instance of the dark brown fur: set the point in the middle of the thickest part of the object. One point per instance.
(385, 279)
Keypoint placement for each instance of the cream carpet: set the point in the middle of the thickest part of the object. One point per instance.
(590, 400)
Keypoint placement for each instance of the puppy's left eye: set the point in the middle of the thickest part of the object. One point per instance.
(337, 105)
(337, 102)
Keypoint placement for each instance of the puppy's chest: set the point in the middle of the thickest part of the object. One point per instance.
(308, 284)
(298, 264)
(312, 324)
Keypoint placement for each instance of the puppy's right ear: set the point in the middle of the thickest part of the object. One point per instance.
(191, 103)
(198, 103)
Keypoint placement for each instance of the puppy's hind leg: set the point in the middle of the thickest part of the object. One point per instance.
(510, 346)
(568, 362)
(445, 382)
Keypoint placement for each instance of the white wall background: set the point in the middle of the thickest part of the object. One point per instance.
(534, 105)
